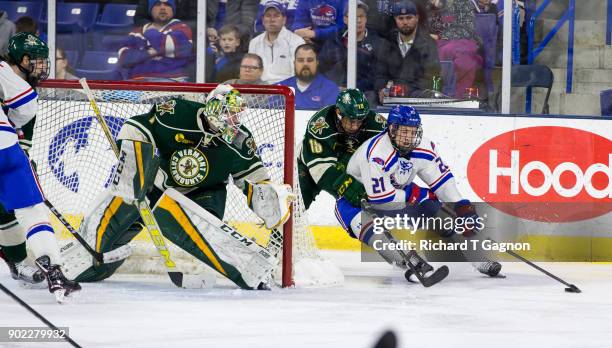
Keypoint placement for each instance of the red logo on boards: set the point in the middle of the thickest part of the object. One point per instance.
(565, 172)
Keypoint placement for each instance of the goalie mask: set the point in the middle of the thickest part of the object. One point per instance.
(352, 108)
(224, 106)
(36, 51)
(404, 127)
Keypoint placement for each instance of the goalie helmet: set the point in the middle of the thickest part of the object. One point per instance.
(352, 108)
(27, 44)
(224, 106)
(404, 128)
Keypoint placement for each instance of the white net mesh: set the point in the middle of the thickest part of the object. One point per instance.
(74, 162)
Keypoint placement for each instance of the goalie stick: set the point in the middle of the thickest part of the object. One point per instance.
(178, 278)
(570, 287)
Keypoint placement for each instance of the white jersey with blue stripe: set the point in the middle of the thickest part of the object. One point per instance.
(385, 174)
(21, 101)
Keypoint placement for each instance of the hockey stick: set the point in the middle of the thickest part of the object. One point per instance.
(108, 257)
(178, 278)
(38, 315)
(570, 287)
(436, 277)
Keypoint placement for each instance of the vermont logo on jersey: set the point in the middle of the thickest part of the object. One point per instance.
(378, 118)
(166, 107)
(319, 125)
(188, 167)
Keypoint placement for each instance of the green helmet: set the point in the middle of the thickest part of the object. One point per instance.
(353, 104)
(23, 43)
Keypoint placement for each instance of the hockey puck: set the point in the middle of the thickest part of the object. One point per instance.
(573, 288)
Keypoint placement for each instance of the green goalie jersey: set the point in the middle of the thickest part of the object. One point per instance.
(326, 151)
(192, 158)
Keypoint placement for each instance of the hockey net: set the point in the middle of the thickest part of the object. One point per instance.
(74, 162)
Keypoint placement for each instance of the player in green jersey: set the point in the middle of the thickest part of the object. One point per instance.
(184, 153)
(332, 135)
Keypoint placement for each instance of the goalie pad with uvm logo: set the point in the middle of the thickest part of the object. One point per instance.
(212, 241)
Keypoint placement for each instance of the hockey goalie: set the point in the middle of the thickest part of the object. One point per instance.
(179, 158)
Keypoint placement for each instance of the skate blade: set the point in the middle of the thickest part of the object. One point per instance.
(59, 296)
(62, 297)
(27, 285)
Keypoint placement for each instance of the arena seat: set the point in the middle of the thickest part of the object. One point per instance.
(18, 9)
(534, 76)
(114, 24)
(74, 17)
(97, 65)
(116, 16)
(605, 98)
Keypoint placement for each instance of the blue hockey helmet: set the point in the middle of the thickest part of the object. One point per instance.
(404, 127)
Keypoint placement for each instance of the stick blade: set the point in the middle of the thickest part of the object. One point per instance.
(573, 288)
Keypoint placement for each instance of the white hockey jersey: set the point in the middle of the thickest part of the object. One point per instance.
(385, 174)
(21, 101)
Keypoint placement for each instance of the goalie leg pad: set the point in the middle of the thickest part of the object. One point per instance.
(270, 201)
(207, 238)
(111, 223)
(136, 170)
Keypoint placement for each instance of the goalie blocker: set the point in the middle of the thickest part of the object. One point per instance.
(191, 221)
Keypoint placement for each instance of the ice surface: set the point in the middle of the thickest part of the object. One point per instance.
(526, 309)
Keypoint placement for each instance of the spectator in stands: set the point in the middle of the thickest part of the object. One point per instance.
(452, 23)
(159, 50)
(291, 6)
(333, 56)
(312, 90)
(27, 24)
(251, 68)
(186, 11)
(380, 16)
(318, 20)
(63, 70)
(7, 29)
(240, 13)
(487, 6)
(410, 58)
(227, 65)
(276, 45)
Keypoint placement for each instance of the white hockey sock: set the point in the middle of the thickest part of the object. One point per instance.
(11, 234)
(39, 233)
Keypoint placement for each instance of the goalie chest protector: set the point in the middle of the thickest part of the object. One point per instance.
(190, 157)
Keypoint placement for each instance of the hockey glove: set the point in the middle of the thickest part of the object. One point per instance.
(348, 187)
(270, 201)
(467, 225)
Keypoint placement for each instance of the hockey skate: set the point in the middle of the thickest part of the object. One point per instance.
(490, 268)
(59, 285)
(23, 272)
(419, 271)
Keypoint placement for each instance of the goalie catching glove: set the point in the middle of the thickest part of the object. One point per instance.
(270, 201)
